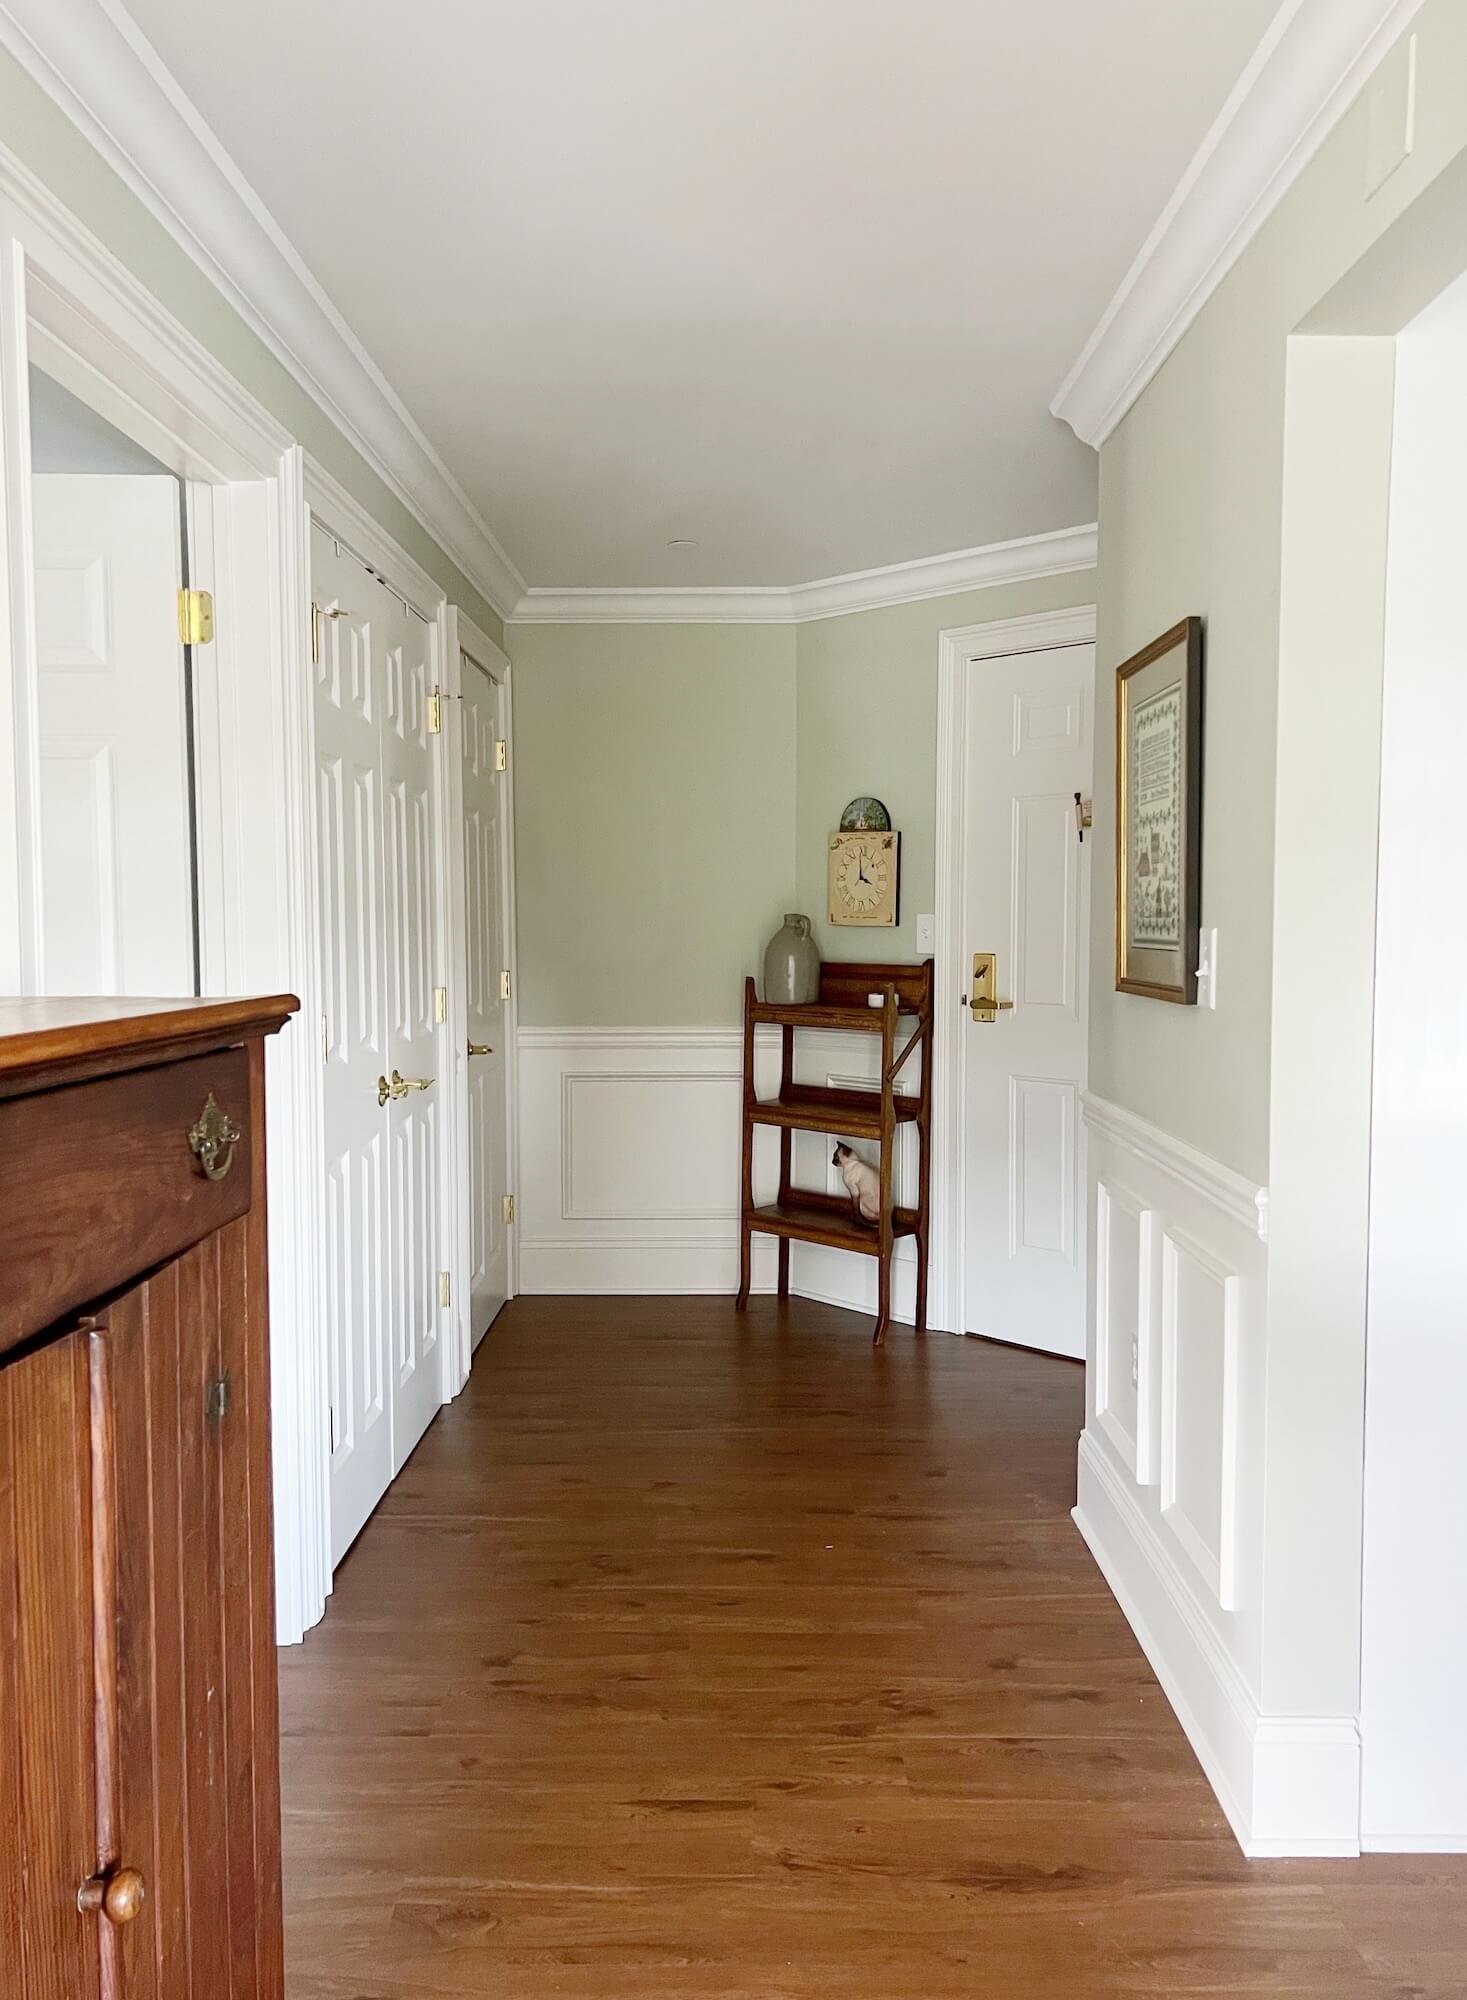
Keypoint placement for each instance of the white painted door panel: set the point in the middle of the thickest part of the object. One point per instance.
(116, 844)
(413, 1038)
(483, 726)
(1028, 751)
(354, 994)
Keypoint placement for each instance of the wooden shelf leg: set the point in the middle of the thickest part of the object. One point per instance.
(786, 1142)
(883, 1291)
(888, 1169)
(746, 1164)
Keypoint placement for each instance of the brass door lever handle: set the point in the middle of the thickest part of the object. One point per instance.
(984, 1004)
(400, 1085)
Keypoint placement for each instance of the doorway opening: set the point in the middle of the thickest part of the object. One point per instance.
(118, 846)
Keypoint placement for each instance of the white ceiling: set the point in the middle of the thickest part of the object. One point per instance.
(794, 278)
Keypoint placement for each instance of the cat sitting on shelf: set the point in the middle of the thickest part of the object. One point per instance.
(863, 1183)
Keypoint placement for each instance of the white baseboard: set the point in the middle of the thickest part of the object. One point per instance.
(1289, 1785)
(646, 1266)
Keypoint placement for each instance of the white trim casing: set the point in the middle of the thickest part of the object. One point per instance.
(95, 63)
(1306, 72)
(1171, 1474)
(1056, 554)
(69, 304)
(957, 650)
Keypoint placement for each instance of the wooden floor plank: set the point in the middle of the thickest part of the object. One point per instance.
(698, 1657)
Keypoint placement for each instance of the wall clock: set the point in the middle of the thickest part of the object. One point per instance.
(863, 871)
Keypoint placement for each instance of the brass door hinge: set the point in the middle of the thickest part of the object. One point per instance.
(504, 984)
(445, 1289)
(195, 617)
(501, 755)
(509, 1208)
(435, 712)
(216, 1399)
(440, 1003)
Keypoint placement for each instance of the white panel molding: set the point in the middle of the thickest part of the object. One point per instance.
(1214, 1564)
(643, 1241)
(94, 62)
(1238, 1197)
(1054, 554)
(1170, 1501)
(1306, 72)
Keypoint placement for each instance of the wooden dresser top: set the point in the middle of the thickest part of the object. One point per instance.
(46, 1042)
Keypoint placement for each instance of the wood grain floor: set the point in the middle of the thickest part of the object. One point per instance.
(698, 1657)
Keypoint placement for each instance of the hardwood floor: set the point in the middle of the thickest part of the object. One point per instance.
(701, 1655)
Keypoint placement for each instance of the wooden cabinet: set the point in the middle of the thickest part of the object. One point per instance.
(139, 1758)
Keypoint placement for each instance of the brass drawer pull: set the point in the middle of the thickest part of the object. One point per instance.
(212, 1139)
(118, 1897)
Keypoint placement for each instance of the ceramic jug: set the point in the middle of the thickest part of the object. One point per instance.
(792, 965)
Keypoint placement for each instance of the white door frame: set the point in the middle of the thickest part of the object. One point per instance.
(963, 647)
(461, 635)
(68, 304)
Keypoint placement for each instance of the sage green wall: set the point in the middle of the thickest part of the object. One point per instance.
(654, 817)
(1191, 487)
(45, 140)
(867, 722)
(675, 785)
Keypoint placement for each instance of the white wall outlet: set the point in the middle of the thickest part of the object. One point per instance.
(926, 933)
(1207, 969)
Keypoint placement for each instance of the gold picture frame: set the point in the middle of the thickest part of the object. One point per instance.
(1159, 817)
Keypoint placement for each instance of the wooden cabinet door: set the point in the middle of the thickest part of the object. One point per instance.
(197, 1772)
(48, 1841)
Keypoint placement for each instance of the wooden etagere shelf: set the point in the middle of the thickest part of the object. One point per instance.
(904, 1022)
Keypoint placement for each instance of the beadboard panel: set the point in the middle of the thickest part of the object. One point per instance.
(629, 1163)
(1171, 1473)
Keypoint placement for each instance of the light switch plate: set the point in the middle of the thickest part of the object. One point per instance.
(1392, 115)
(926, 933)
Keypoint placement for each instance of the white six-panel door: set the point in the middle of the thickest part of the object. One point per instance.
(116, 852)
(486, 959)
(379, 952)
(414, 1039)
(1028, 751)
(354, 1035)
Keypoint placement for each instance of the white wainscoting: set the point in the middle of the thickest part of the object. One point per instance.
(1171, 1473)
(629, 1163)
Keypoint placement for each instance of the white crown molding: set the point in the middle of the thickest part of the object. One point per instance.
(91, 59)
(1303, 77)
(830, 597)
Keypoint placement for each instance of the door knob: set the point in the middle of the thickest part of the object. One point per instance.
(119, 1897)
(480, 1049)
(984, 1003)
(400, 1085)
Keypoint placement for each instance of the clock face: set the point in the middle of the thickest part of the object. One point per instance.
(863, 878)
